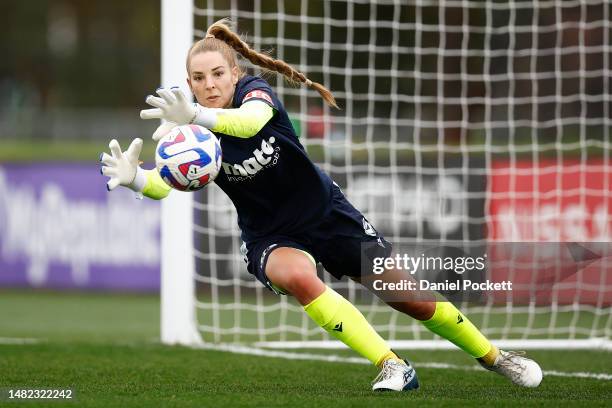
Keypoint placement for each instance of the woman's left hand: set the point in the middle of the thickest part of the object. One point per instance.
(172, 105)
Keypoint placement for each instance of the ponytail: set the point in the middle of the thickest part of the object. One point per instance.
(221, 30)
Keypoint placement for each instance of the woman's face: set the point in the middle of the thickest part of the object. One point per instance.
(211, 79)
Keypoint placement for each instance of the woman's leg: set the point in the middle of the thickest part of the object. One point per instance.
(438, 315)
(444, 319)
(441, 317)
(292, 271)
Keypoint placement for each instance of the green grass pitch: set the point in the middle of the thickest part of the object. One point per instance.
(105, 347)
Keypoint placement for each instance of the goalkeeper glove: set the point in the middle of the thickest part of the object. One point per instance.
(172, 105)
(162, 130)
(122, 168)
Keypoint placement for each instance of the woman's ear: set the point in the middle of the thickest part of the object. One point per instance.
(235, 74)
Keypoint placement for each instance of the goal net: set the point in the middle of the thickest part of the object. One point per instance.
(483, 126)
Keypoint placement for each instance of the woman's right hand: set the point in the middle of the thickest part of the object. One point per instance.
(122, 168)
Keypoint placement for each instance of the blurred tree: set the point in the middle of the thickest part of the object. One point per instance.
(79, 53)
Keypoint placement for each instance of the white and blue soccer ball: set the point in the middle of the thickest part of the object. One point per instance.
(188, 157)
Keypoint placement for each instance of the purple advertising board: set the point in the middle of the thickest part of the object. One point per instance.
(60, 228)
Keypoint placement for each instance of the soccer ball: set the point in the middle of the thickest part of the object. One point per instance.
(188, 157)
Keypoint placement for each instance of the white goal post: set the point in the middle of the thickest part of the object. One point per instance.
(178, 317)
(461, 121)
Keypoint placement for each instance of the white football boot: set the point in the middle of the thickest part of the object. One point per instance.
(396, 376)
(518, 369)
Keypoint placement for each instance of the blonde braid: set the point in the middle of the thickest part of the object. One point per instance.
(222, 31)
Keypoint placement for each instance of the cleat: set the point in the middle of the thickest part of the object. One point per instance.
(518, 369)
(396, 376)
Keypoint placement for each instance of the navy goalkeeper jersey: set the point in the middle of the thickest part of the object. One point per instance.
(273, 184)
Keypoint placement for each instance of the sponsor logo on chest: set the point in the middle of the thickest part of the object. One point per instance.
(265, 156)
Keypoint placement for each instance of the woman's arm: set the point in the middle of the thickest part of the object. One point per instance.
(245, 121)
(154, 186)
(173, 106)
(122, 169)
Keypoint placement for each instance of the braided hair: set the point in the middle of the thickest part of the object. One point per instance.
(221, 38)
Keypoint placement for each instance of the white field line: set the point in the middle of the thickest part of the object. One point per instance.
(548, 344)
(19, 340)
(253, 351)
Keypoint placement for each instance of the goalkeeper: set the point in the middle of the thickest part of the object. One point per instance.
(291, 214)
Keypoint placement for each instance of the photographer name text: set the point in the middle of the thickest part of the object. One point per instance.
(465, 285)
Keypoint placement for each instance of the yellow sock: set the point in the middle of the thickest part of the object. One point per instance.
(340, 318)
(451, 324)
(489, 358)
(390, 356)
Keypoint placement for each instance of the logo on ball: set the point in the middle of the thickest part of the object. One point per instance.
(188, 157)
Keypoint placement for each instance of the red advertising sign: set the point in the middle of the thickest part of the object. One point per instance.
(565, 202)
(550, 201)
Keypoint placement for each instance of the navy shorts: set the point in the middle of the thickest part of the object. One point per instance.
(344, 242)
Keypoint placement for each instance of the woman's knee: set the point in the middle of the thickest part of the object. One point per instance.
(292, 271)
